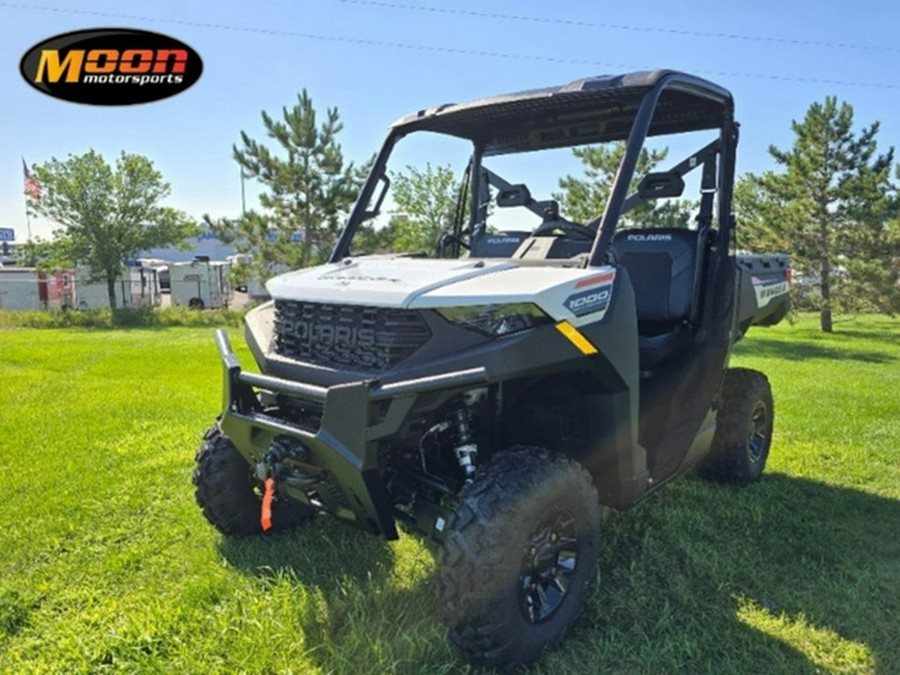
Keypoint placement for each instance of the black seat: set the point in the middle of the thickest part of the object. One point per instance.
(665, 266)
(497, 244)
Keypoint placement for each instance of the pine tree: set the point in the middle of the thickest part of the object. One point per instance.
(834, 204)
(583, 199)
(308, 189)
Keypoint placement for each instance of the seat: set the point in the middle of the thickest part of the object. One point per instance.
(665, 266)
(497, 244)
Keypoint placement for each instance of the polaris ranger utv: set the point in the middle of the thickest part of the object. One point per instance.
(497, 392)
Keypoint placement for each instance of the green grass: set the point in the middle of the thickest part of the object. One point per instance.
(107, 564)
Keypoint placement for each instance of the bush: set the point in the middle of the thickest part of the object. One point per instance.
(127, 317)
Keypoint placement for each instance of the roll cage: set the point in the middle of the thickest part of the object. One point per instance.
(627, 108)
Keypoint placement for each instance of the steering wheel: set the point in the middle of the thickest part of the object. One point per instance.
(446, 239)
(566, 226)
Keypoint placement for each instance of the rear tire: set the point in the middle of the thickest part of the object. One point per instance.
(519, 556)
(743, 429)
(196, 303)
(230, 494)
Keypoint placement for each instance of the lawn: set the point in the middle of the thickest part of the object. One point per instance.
(106, 563)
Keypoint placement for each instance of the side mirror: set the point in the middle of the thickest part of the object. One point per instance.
(514, 195)
(374, 207)
(659, 185)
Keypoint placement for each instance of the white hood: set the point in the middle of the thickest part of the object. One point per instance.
(379, 281)
(574, 294)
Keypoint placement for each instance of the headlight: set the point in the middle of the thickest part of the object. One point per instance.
(496, 320)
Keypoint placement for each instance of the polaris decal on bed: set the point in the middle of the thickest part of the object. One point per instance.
(766, 291)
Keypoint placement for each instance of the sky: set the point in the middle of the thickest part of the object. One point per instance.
(378, 60)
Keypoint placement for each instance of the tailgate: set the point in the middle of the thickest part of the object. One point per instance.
(763, 289)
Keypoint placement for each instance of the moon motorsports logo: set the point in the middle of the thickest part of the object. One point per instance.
(111, 66)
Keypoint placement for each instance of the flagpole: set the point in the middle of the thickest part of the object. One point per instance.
(27, 214)
(243, 198)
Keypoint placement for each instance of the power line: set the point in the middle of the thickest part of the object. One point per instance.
(620, 26)
(440, 49)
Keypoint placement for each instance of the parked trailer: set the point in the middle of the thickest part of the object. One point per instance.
(139, 287)
(256, 290)
(19, 288)
(200, 284)
(145, 290)
(24, 288)
(162, 271)
(254, 286)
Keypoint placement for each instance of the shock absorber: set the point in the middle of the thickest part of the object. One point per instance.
(466, 450)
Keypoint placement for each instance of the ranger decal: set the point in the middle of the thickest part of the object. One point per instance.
(766, 291)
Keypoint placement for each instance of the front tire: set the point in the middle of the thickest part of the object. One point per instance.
(743, 429)
(519, 556)
(230, 494)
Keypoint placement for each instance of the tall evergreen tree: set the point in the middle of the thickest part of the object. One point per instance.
(759, 214)
(583, 199)
(834, 204)
(308, 189)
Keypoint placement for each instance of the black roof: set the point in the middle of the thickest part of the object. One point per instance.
(589, 110)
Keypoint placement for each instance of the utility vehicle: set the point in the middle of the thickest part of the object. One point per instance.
(499, 391)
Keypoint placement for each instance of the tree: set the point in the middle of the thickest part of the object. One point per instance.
(834, 208)
(107, 214)
(584, 199)
(426, 202)
(759, 216)
(308, 188)
(398, 236)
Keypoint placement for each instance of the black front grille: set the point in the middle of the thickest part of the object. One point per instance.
(347, 336)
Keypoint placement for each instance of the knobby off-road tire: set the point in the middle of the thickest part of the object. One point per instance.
(230, 494)
(743, 429)
(519, 556)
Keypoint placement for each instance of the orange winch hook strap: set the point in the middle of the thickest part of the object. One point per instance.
(266, 517)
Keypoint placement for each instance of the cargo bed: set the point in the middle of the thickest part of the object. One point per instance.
(763, 283)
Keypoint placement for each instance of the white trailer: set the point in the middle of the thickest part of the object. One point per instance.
(138, 287)
(200, 284)
(19, 288)
(23, 288)
(145, 290)
(255, 286)
(256, 290)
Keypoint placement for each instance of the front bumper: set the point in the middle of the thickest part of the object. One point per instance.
(343, 451)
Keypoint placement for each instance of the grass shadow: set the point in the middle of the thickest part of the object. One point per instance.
(367, 608)
(700, 577)
(889, 337)
(319, 553)
(802, 351)
(15, 610)
(713, 578)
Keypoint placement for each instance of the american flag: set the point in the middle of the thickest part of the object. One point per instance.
(32, 184)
